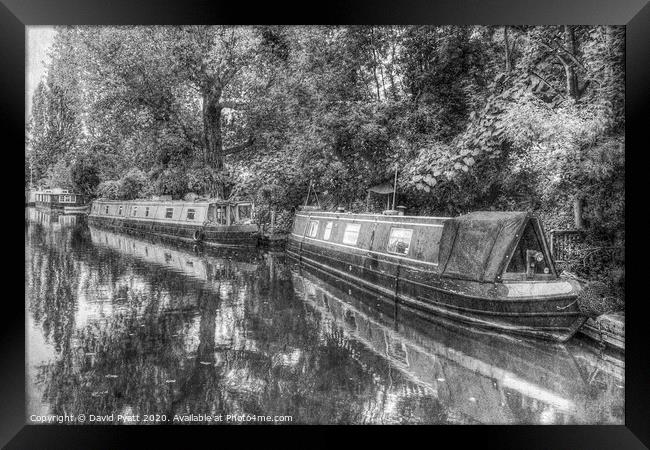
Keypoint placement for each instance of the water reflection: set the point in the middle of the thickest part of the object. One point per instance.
(121, 324)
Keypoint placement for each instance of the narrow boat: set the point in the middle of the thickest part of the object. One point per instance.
(213, 223)
(29, 197)
(490, 269)
(59, 199)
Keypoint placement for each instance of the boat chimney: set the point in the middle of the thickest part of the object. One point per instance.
(401, 210)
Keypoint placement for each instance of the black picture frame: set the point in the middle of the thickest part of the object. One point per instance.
(15, 15)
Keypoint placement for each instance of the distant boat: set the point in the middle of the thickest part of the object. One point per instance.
(29, 197)
(491, 270)
(58, 199)
(214, 223)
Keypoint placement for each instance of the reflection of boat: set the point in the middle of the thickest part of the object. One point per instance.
(210, 222)
(484, 377)
(196, 266)
(51, 217)
(486, 269)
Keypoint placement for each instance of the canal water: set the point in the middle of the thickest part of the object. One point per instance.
(134, 330)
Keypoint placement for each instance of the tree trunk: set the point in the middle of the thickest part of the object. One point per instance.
(571, 77)
(213, 146)
(507, 44)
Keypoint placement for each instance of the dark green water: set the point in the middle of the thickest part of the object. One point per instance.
(121, 326)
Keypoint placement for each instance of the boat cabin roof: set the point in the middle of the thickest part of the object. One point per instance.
(171, 202)
(55, 191)
(485, 246)
(482, 245)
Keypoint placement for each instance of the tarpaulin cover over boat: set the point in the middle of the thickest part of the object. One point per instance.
(475, 246)
(384, 188)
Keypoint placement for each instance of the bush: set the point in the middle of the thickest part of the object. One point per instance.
(109, 190)
(132, 185)
(171, 182)
(129, 187)
(598, 298)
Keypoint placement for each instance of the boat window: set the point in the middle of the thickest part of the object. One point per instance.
(73, 198)
(106, 210)
(399, 240)
(169, 212)
(313, 228)
(351, 233)
(146, 211)
(221, 215)
(135, 211)
(119, 212)
(190, 214)
(328, 231)
(244, 212)
(529, 255)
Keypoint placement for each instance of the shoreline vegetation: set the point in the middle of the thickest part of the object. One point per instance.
(470, 117)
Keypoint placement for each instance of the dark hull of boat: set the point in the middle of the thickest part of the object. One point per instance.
(49, 206)
(220, 236)
(551, 317)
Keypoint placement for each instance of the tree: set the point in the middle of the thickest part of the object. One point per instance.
(84, 175)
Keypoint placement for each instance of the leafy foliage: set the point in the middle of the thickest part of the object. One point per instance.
(473, 117)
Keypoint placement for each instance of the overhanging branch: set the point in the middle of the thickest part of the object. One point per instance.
(239, 148)
(232, 104)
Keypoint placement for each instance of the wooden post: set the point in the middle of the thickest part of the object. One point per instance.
(577, 213)
(308, 192)
(395, 187)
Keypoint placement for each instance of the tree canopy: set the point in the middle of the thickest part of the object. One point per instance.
(472, 117)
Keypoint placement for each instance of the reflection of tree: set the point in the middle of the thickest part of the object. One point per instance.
(239, 341)
(273, 360)
(53, 285)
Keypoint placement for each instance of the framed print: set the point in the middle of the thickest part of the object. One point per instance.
(378, 214)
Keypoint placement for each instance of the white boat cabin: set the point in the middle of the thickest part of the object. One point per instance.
(218, 213)
(55, 195)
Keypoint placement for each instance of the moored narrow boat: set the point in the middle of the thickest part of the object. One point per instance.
(486, 269)
(209, 222)
(59, 200)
